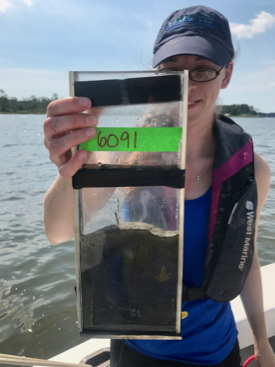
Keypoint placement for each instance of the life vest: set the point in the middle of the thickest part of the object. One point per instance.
(232, 216)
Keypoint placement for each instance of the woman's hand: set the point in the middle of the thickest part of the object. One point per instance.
(64, 128)
(265, 356)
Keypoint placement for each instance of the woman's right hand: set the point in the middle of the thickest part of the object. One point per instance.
(64, 128)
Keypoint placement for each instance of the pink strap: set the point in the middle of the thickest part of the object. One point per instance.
(248, 361)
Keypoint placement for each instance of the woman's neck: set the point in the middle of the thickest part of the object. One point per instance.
(199, 160)
(200, 142)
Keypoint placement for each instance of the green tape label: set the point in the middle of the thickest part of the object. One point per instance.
(141, 139)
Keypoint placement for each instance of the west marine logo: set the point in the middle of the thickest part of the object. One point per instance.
(249, 233)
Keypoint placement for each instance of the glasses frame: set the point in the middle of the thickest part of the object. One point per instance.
(205, 81)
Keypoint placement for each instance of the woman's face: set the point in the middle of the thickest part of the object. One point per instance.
(202, 97)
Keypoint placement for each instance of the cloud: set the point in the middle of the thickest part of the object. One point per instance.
(5, 4)
(260, 24)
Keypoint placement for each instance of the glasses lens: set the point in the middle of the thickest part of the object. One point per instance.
(203, 75)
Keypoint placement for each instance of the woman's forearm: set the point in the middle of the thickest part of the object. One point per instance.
(59, 208)
(252, 299)
(59, 211)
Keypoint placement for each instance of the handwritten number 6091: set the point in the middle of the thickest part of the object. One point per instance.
(103, 141)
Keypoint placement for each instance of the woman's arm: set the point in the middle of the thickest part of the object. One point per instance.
(251, 294)
(59, 211)
(65, 127)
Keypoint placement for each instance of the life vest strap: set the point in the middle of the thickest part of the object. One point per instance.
(192, 294)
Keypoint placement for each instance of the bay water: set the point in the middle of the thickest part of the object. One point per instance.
(37, 280)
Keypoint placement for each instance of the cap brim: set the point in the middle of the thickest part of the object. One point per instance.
(208, 48)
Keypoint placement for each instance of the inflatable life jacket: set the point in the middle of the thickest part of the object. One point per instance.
(232, 216)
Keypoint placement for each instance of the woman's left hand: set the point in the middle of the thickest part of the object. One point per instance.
(265, 357)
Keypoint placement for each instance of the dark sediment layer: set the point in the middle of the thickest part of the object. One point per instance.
(129, 276)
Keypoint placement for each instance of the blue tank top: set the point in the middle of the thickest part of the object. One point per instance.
(208, 328)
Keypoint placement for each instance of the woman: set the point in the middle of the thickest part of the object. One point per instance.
(197, 39)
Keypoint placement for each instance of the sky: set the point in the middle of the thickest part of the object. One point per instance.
(41, 40)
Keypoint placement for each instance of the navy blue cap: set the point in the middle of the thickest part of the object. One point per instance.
(196, 30)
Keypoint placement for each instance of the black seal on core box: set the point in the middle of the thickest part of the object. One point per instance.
(115, 92)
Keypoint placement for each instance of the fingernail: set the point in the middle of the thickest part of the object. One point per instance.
(84, 101)
(90, 131)
(82, 154)
(90, 119)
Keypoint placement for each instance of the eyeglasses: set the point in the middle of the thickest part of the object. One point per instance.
(202, 75)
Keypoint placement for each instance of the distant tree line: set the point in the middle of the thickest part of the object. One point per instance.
(39, 105)
(28, 105)
(262, 114)
(239, 110)
(243, 110)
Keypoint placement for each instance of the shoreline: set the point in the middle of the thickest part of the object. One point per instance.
(23, 113)
(44, 113)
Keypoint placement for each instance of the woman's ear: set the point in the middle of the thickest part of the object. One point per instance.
(227, 75)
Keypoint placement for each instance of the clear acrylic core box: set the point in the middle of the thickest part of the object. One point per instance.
(129, 204)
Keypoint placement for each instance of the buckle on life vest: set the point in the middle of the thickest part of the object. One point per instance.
(191, 294)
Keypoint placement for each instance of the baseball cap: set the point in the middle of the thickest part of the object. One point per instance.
(196, 30)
